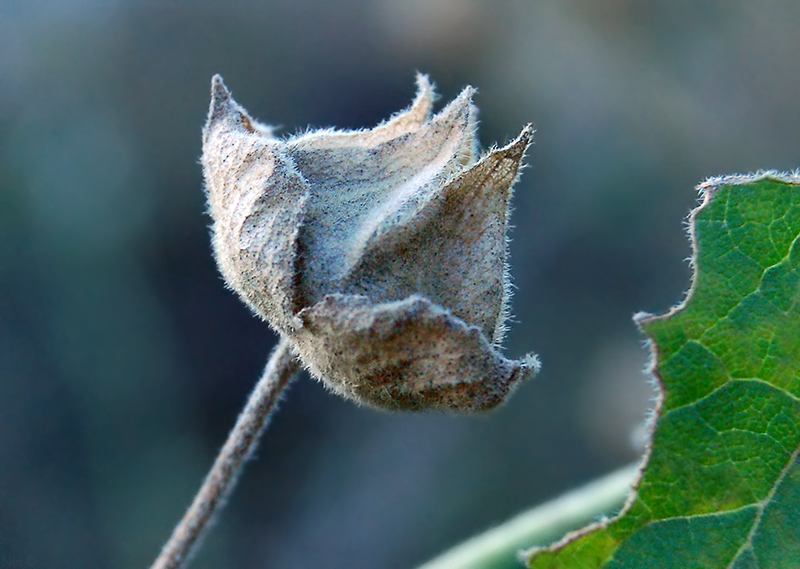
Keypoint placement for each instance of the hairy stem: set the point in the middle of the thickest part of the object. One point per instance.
(500, 547)
(242, 441)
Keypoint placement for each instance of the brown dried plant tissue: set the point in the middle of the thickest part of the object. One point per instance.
(379, 254)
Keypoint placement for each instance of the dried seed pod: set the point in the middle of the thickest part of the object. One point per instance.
(379, 254)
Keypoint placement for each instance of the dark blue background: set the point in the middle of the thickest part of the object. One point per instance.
(124, 361)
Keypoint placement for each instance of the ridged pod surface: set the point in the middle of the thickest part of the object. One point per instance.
(379, 254)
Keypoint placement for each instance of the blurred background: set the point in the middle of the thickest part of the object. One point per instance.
(124, 361)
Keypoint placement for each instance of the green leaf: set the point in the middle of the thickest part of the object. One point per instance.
(721, 486)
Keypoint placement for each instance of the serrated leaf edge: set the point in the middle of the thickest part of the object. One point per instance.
(707, 190)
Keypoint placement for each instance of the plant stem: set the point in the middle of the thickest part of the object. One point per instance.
(242, 441)
(500, 546)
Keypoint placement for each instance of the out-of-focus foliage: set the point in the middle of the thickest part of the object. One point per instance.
(722, 483)
(124, 361)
